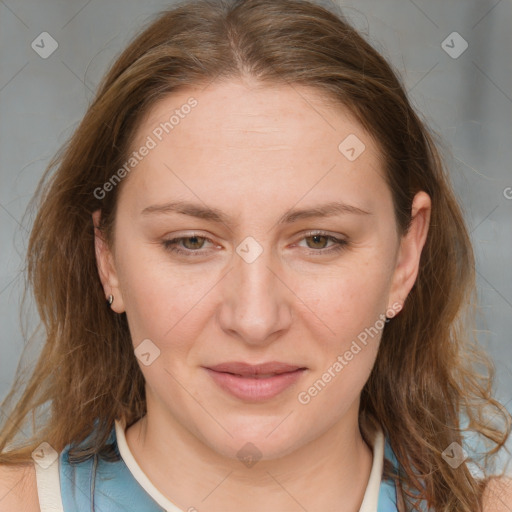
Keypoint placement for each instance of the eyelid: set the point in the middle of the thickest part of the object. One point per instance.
(179, 237)
(318, 232)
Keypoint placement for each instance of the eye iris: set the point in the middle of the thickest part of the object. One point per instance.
(193, 244)
(316, 237)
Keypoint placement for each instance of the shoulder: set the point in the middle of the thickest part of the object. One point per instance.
(498, 495)
(18, 488)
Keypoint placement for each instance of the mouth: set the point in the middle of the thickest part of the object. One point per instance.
(255, 383)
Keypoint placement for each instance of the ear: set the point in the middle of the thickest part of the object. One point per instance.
(409, 252)
(106, 266)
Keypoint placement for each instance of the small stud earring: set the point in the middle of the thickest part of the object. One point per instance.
(110, 300)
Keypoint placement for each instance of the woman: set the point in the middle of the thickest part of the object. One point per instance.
(287, 276)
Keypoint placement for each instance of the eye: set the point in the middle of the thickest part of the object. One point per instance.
(196, 242)
(319, 238)
(193, 244)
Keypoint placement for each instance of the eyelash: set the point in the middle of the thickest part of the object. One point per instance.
(340, 245)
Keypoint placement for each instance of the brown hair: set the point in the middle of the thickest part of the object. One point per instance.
(424, 378)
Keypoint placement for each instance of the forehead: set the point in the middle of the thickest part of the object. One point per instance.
(280, 140)
(260, 115)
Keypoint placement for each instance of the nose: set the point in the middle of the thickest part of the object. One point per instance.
(257, 302)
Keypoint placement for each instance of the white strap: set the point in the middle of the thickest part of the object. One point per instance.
(50, 500)
(137, 472)
(371, 496)
(48, 487)
(370, 499)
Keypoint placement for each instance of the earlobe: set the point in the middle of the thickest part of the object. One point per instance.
(106, 267)
(411, 246)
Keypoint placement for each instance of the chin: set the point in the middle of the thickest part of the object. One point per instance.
(254, 439)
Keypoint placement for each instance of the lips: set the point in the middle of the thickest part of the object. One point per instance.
(255, 383)
(255, 371)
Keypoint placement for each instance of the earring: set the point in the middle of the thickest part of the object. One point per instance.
(110, 300)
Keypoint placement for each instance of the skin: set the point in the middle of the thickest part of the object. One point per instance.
(254, 152)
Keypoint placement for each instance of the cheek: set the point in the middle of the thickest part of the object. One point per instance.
(351, 304)
(160, 299)
(352, 312)
(348, 299)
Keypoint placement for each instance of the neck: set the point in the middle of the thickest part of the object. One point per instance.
(329, 473)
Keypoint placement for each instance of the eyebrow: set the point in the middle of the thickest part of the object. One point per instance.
(215, 215)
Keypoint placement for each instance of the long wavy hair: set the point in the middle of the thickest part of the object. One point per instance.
(430, 372)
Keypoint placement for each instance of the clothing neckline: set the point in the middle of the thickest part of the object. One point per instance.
(370, 498)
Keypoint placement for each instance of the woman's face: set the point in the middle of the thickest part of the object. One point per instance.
(253, 173)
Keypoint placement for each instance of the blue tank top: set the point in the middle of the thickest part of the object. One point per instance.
(100, 485)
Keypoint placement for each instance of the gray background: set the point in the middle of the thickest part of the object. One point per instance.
(467, 100)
